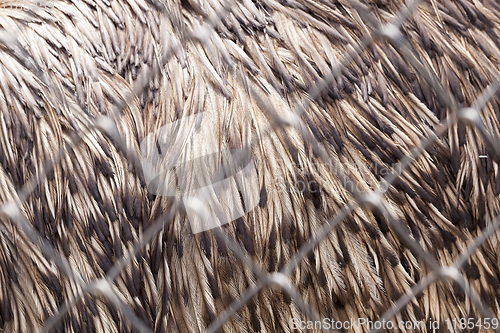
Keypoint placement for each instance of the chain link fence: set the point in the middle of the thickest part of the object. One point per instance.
(389, 33)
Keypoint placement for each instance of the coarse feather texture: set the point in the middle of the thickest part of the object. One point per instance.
(76, 60)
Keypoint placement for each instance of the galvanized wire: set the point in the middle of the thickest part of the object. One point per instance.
(389, 33)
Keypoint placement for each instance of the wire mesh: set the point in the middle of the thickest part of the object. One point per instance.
(389, 33)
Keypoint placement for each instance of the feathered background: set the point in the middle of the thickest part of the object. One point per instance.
(62, 66)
